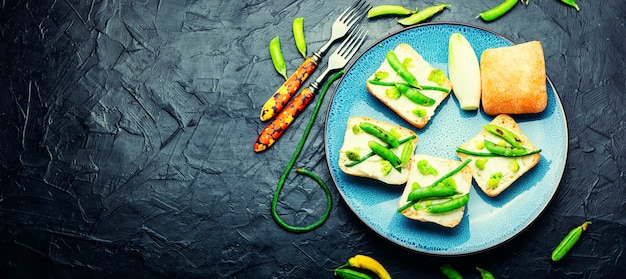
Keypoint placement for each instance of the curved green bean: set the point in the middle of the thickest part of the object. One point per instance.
(433, 191)
(485, 274)
(450, 272)
(384, 153)
(407, 152)
(497, 11)
(423, 14)
(448, 205)
(415, 95)
(277, 57)
(385, 10)
(400, 69)
(380, 133)
(504, 134)
(568, 242)
(368, 155)
(298, 35)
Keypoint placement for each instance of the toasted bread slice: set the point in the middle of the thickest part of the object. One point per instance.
(373, 166)
(463, 181)
(500, 164)
(421, 69)
(513, 79)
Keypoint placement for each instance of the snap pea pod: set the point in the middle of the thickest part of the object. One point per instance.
(380, 133)
(489, 154)
(385, 153)
(507, 151)
(572, 3)
(298, 35)
(415, 95)
(568, 242)
(407, 152)
(401, 69)
(449, 205)
(385, 10)
(444, 177)
(433, 191)
(277, 57)
(498, 11)
(423, 87)
(423, 14)
(485, 274)
(450, 272)
(368, 155)
(504, 134)
(346, 273)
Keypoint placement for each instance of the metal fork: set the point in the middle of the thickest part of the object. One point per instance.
(339, 29)
(337, 60)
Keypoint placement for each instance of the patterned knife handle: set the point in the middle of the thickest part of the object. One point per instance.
(276, 103)
(279, 125)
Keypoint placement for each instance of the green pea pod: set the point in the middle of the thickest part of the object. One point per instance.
(415, 95)
(346, 273)
(572, 3)
(277, 57)
(368, 155)
(298, 35)
(400, 69)
(431, 192)
(498, 11)
(448, 205)
(484, 274)
(407, 152)
(385, 153)
(504, 134)
(423, 14)
(506, 151)
(450, 272)
(380, 133)
(568, 242)
(385, 10)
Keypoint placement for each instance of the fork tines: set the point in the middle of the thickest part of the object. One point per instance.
(353, 13)
(352, 43)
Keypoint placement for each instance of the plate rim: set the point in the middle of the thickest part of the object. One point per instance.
(524, 227)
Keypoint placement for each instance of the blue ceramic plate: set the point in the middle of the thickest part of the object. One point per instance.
(488, 222)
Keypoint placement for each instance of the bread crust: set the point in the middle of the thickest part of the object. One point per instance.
(509, 177)
(370, 168)
(513, 79)
(463, 180)
(403, 106)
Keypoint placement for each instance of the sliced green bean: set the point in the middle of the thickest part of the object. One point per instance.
(434, 191)
(423, 87)
(450, 272)
(368, 155)
(298, 35)
(380, 133)
(386, 10)
(407, 152)
(277, 57)
(400, 69)
(504, 134)
(423, 14)
(384, 153)
(415, 95)
(498, 11)
(572, 3)
(568, 242)
(444, 177)
(485, 274)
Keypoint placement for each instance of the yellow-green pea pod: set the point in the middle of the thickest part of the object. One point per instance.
(449, 205)
(369, 263)
(423, 14)
(498, 11)
(504, 134)
(485, 274)
(385, 153)
(407, 152)
(450, 272)
(572, 3)
(380, 133)
(298, 35)
(568, 242)
(385, 10)
(277, 57)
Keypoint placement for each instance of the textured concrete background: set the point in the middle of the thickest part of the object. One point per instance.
(127, 131)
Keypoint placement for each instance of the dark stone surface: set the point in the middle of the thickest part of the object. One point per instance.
(127, 131)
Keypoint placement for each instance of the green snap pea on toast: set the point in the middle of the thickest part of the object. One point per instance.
(366, 151)
(437, 190)
(501, 154)
(409, 85)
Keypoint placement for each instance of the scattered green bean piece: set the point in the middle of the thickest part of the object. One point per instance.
(506, 151)
(571, 3)
(568, 242)
(298, 35)
(423, 14)
(444, 177)
(450, 272)
(497, 11)
(433, 191)
(423, 87)
(448, 205)
(384, 153)
(400, 69)
(368, 155)
(415, 95)
(277, 57)
(504, 134)
(385, 10)
(346, 273)
(485, 274)
(380, 133)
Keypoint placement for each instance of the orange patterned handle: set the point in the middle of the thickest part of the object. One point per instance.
(276, 103)
(278, 126)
